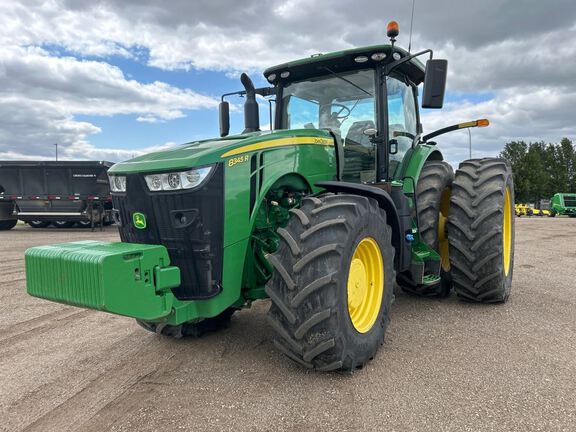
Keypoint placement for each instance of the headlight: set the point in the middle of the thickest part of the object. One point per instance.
(177, 180)
(117, 183)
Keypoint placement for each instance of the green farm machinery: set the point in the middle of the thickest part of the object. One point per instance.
(324, 215)
(563, 204)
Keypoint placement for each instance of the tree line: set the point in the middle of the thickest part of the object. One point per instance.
(541, 170)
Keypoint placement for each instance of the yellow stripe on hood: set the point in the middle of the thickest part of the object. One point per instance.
(280, 142)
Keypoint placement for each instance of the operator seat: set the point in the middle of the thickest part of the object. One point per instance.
(359, 155)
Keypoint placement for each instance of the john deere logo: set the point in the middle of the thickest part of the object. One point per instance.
(139, 220)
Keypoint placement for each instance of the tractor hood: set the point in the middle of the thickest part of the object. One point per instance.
(208, 152)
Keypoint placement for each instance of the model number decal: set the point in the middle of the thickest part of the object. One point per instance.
(237, 160)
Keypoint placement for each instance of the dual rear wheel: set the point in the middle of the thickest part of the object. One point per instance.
(468, 218)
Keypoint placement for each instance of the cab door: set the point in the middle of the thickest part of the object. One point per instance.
(402, 122)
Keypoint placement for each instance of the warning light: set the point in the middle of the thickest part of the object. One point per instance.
(392, 30)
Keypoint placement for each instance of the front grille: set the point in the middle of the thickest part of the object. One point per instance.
(190, 224)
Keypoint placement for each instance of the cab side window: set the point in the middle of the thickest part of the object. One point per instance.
(402, 124)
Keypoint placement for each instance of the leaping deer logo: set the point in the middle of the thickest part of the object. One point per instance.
(139, 220)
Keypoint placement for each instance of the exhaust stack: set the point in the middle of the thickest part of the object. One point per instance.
(251, 114)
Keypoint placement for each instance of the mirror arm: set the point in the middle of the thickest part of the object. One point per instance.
(239, 93)
(390, 66)
(264, 91)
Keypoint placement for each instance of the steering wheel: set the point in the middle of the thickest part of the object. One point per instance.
(343, 108)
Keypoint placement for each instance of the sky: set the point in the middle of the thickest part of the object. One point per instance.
(108, 80)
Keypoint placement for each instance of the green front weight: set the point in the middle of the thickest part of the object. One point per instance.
(128, 279)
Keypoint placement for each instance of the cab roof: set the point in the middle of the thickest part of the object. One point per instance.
(342, 61)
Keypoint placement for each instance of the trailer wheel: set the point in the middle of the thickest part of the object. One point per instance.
(333, 283)
(63, 224)
(433, 202)
(84, 224)
(6, 225)
(38, 224)
(481, 230)
(195, 329)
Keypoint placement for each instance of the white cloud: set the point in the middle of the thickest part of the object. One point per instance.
(543, 114)
(40, 95)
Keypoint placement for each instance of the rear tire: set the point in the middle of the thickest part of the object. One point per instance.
(63, 224)
(325, 315)
(195, 329)
(38, 224)
(481, 230)
(6, 225)
(433, 202)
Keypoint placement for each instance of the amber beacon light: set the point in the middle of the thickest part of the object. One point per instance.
(392, 30)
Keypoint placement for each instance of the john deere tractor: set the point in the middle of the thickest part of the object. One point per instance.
(343, 199)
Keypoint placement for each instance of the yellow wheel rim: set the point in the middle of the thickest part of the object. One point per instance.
(365, 285)
(442, 239)
(507, 231)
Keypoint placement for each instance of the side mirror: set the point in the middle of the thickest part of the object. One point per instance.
(224, 112)
(434, 83)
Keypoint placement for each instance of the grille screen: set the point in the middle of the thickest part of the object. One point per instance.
(189, 224)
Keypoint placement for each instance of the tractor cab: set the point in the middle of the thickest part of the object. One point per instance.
(367, 98)
(351, 96)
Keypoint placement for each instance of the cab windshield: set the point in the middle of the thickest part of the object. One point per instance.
(332, 102)
(345, 104)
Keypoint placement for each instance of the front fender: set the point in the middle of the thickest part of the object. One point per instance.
(414, 162)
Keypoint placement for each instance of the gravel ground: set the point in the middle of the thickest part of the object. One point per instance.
(445, 366)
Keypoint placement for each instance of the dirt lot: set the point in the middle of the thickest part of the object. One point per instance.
(445, 365)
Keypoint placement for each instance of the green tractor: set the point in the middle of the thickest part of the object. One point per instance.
(563, 204)
(324, 215)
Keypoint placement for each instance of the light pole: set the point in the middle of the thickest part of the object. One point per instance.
(56, 145)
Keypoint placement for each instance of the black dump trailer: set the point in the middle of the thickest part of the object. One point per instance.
(63, 194)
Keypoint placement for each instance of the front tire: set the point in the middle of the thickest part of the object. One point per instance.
(194, 329)
(481, 230)
(333, 285)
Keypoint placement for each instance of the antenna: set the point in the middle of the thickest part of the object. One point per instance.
(411, 23)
